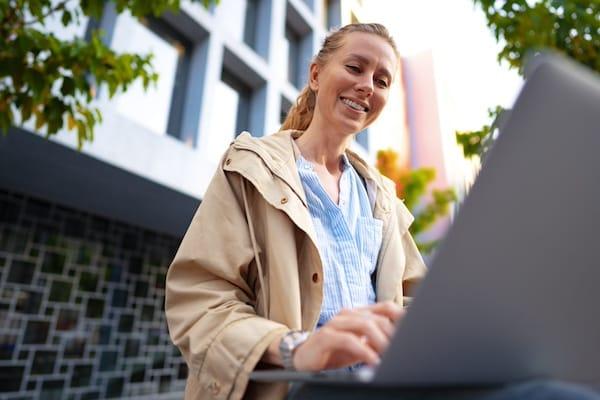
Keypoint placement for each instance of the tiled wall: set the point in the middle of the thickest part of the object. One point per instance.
(81, 306)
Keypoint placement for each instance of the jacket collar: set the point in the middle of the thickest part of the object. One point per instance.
(277, 152)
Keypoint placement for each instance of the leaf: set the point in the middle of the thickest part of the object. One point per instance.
(36, 81)
(71, 123)
(66, 18)
(6, 119)
(98, 115)
(26, 108)
(93, 8)
(68, 86)
(89, 118)
(35, 8)
(80, 134)
(40, 120)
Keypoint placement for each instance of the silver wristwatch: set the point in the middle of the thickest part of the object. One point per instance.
(289, 342)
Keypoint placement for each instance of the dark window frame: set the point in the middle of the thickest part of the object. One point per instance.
(284, 108)
(244, 92)
(300, 52)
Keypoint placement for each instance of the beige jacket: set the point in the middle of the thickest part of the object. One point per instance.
(248, 269)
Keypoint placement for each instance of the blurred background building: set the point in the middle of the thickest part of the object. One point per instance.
(86, 237)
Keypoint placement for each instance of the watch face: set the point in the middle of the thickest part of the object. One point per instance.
(298, 337)
(290, 341)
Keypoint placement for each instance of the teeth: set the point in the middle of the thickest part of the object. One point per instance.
(354, 105)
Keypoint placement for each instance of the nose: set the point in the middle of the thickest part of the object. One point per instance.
(365, 86)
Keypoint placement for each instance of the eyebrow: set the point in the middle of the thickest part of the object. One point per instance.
(365, 60)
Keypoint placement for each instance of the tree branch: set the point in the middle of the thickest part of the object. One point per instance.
(51, 11)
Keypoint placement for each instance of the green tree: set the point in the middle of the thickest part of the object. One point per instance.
(570, 27)
(54, 81)
(412, 186)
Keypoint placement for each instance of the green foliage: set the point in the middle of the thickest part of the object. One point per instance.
(426, 213)
(412, 186)
(54, 81)
(477, 143)
(571, 27)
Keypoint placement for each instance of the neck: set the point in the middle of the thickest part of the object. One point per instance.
(323, 147)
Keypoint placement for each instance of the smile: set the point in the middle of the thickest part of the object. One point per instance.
(354, 105)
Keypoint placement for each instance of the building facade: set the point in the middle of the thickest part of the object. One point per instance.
(86, 237)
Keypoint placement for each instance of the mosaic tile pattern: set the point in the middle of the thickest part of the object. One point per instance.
(81, 306)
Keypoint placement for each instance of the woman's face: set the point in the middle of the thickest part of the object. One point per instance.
(353, 86)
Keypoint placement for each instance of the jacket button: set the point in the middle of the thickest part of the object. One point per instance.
(315, 277)
(228, 161)
(284, 200)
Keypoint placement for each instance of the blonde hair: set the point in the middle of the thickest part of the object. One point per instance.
(300, 114)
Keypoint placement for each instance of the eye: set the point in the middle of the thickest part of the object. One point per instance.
(381, 83)
(353, 68)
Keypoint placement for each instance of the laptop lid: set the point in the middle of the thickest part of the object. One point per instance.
(514, 290)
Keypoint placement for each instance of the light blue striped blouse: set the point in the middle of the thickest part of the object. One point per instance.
(349, 238)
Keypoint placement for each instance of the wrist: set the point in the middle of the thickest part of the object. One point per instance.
(288, 345)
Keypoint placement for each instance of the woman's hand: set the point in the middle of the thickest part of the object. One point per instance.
(353, 336)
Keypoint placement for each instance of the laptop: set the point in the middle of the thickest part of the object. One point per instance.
(513, 292)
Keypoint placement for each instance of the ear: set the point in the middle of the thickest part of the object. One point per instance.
(313, 77)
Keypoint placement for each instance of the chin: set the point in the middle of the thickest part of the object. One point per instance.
(352, 128)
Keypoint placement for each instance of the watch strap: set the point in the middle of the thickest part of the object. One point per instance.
(288, 344)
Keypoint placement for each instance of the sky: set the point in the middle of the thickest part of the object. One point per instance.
(469, 79)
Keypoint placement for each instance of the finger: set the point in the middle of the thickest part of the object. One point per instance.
(330, 348)
(357, 324)
(387, 309)
(385, 323)
(349, 349)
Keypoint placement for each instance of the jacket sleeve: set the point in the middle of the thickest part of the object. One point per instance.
(415, 268)
(209, 300)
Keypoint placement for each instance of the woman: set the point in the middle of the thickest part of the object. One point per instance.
(299, 255)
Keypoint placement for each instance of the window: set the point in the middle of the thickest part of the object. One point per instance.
(332, 14)
(158, 108)
(231, 110)
(292, 44)
(251, 23)
(239, 19)
(297, 44)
